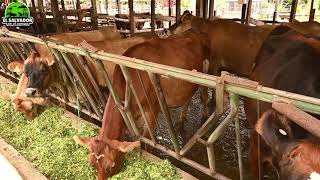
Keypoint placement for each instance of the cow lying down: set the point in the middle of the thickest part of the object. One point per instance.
(295, 159)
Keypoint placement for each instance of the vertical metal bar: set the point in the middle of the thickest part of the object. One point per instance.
(56, 15)
(238, 139)
(205, 9)
(211, 159)
(170, 10)
(116, 98)
(198, 8)
(107, 6)
(153, 6)
(134, 92)
(94, 16)
(293, 10)
(248, 11)
(243, 13)
(178, 10)
(131, 17)
(211, 9)
(163, 105)
(42, 15)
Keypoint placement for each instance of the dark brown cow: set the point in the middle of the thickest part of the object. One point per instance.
(192, 52)
(287, 62)
(297, 159)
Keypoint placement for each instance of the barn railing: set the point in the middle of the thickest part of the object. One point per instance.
(71, 63)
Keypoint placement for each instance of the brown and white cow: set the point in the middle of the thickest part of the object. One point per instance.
(107, 149)
(38, 66)
(288, 62)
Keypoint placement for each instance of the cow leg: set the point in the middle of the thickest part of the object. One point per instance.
(183, 115)
(204, 100)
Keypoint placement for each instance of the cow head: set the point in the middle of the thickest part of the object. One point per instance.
(183, 24)
(294, 158)
(106, 155)
(37, 71)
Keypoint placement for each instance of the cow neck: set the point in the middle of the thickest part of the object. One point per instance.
(112, 121)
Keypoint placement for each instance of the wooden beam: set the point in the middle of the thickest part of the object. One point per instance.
(94, 14)
(249, 5)
(211, 9)
(131, 17)
(153, 9)
(293, 10)
(178, 10)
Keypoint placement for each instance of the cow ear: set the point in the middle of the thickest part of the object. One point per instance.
(16, 66)
(82, 141)
(186, 16)
(50, 61)
(123, 146)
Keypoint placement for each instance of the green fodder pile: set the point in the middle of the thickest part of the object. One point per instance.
(136, 167)
(47, 142)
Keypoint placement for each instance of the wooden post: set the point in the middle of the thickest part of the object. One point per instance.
(131, 17)
(56, 15)
(153, 8)
(34, 9)
(42, 15)
(64, 16)
(178, 10)
(243, 13)
(205, 9)
(312, 11)
(94, 15)
(211, 9)
(293, 10)
(248, 11)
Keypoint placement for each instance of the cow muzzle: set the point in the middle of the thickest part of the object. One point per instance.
(32, 92)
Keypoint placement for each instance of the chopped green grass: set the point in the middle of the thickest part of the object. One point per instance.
(47, 141)
(137, 167)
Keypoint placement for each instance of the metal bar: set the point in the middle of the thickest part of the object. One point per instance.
(16, 40)
(211, 158)
(185, 160)
(303, 119)
(153, 6)
(238, 139)
(248, 11)
(178, 10)
(131, 17)
(82, 85)
(243, 13)
(293, 10)
(211, 9)
(234, 103)
(116, 98)
(134, 92)
(164, 108)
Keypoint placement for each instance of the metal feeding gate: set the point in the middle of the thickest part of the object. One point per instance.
(70, 61)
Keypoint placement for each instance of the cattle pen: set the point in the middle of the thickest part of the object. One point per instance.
(73, 69)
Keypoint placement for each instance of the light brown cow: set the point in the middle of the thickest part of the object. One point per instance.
(187, 50)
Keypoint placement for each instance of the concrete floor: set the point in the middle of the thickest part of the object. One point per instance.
(7, 171)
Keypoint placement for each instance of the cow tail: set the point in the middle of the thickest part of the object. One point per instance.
(274, 129)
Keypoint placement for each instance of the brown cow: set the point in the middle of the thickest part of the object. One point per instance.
(233, 46)
(287, 62)
(296, 158)
(105, 154)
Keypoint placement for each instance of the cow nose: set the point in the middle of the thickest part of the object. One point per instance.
(31, 91)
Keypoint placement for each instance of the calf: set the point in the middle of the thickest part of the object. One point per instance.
(295, 159)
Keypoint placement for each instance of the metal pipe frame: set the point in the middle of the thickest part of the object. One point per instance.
(235, 89)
